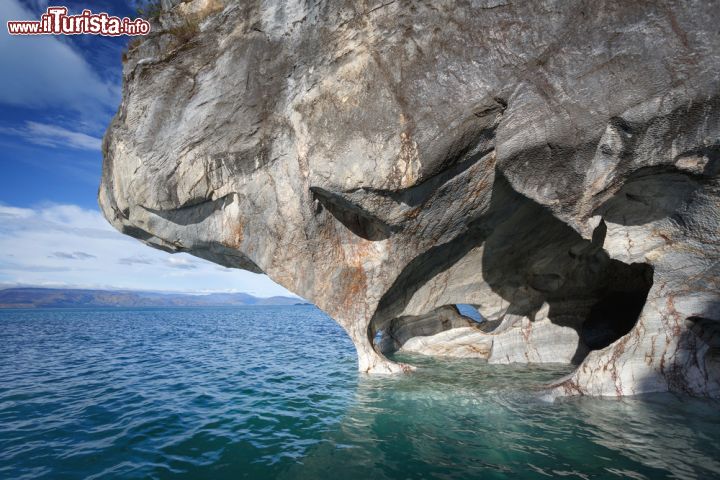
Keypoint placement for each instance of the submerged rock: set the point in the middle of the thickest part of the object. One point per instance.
(554, 164)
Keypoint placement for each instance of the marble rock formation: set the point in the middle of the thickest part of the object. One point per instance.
(553, 163)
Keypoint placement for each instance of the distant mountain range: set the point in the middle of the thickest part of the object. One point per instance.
(75, 298)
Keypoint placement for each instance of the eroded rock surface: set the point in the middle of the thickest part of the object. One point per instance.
(554, 163)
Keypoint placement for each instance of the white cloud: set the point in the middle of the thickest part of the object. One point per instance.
(68, 246)
(181, 262)
(42, 70)
(53, 136)
(73, 255)
(136, 261)
(38, 5)
(14, 213)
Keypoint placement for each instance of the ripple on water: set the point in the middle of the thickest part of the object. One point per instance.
(272, 392)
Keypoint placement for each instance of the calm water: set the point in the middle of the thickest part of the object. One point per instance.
(272, 392)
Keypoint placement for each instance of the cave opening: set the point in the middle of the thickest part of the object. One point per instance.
(542, 292)
(590, 316)
(616, 312)
(470, 311)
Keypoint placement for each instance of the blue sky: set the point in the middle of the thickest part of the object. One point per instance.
(57, 96)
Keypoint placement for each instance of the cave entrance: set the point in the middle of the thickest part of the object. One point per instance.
(552, 295)
(616, 312)
(591, 314)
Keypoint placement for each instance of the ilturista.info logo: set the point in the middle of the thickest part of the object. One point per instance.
(56, 21)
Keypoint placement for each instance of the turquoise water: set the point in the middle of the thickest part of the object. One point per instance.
(272, 392)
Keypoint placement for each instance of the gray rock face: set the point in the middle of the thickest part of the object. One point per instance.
(554, 163)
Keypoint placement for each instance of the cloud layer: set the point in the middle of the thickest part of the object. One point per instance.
(68, 246)
(53, 136)
(44, 71)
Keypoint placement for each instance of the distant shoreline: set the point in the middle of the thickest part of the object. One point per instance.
(36, 298)
(158, 307)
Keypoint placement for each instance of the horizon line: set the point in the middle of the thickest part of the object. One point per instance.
(4, 287)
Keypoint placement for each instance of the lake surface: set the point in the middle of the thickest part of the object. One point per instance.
(272, 392)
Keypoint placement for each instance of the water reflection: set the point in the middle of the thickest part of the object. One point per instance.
(464, 418)
(668, 432)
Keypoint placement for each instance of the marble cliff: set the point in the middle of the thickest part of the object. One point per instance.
(553, 163)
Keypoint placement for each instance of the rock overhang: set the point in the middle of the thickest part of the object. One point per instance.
(385, 162)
